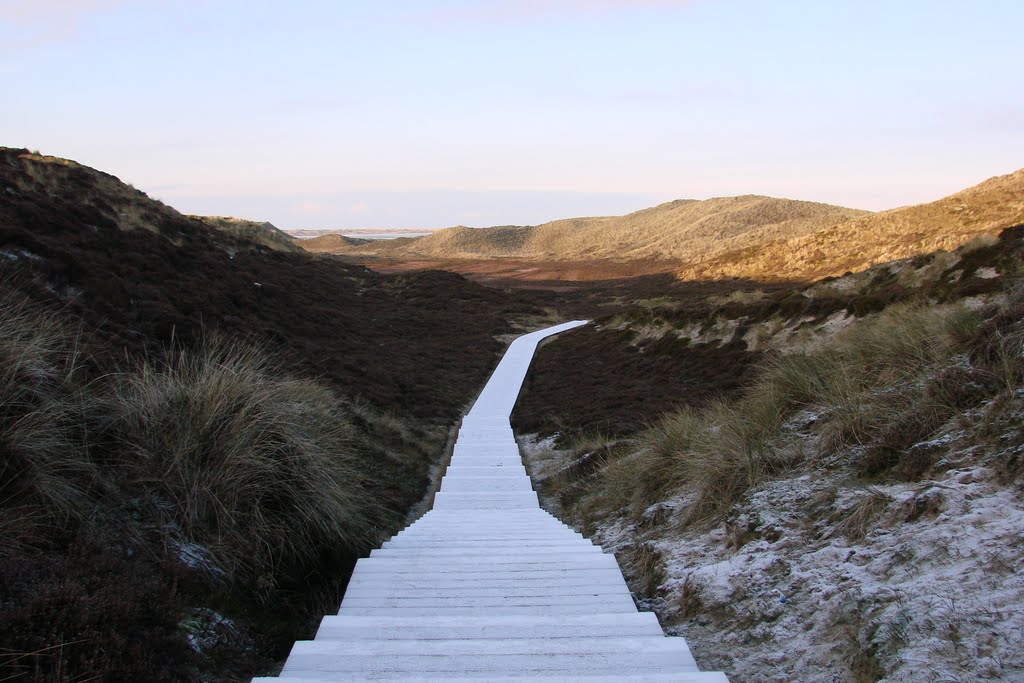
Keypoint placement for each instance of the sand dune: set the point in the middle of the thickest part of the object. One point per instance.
(746, 236)
(676, 231)
(854, 245)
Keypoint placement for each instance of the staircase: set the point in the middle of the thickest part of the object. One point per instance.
(486, 586)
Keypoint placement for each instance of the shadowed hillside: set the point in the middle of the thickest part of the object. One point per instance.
(199, 432)
(138, 273)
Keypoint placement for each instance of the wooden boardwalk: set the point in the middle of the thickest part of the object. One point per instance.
(486, 586)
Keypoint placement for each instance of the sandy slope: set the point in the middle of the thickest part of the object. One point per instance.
(679, 230)
(748, 236)
(854, 245)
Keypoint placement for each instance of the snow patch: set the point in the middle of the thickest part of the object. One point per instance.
(929, 588)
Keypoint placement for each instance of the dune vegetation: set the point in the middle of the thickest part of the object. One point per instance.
(202, 428)
(671, 232)
(753, 237)
(199, 433)
(267, 234)
(854, 506)
(854, 245)
(212, 481)
(869, 378)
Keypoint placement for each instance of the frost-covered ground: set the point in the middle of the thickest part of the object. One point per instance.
(815, 577)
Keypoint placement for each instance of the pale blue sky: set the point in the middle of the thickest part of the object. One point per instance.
(411, 113)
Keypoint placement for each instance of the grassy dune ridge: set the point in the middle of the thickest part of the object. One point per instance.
(945, 224)
(266, 234)
(675, 231)
(754, 237)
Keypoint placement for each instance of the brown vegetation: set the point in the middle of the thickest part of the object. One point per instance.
(657, 345)
(385, 338)
(672, 232)
(758, 238)
(144, 507)
(858, 494)
(854, 245)
(266, 234)
(176, 508)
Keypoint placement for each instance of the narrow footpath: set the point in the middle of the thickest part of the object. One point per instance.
(486, 586)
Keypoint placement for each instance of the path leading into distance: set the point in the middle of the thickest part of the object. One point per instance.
(486, 586)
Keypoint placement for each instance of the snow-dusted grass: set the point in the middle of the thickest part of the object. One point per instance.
(867, 379)
(857, 517)
(813, 576)
(929, 592)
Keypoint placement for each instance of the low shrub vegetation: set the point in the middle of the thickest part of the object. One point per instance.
(213, 483)
(45, 469)
(870, 393)
(254, 465)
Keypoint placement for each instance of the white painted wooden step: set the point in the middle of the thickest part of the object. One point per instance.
(611, 600)
(486, 586)
(523, 589)
(436, 586)
(484, 484)
(349, 627)
(484, 564)
(507, 646)
(509, 551)
(681, 677)
(619, 607)
(498, 579)
(328, 665)
(517, 536)
(442, 542)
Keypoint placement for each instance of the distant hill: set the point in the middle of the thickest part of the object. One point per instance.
(331, 243)
(676, 231)
(747, 236)
(854, 245)
(266, 234)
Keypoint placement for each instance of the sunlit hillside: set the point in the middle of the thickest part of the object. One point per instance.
(747, 237)
(677, 231)
(854, 245)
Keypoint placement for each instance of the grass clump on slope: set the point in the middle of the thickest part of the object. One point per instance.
(256, 466)
(213, 491)
(870, 392)
(45, 471)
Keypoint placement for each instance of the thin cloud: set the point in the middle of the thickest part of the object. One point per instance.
(35, 23)
(55, 18)
(36, 11)
(311, 208)
(682, 94)
(489, 11)
(1009, 119)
